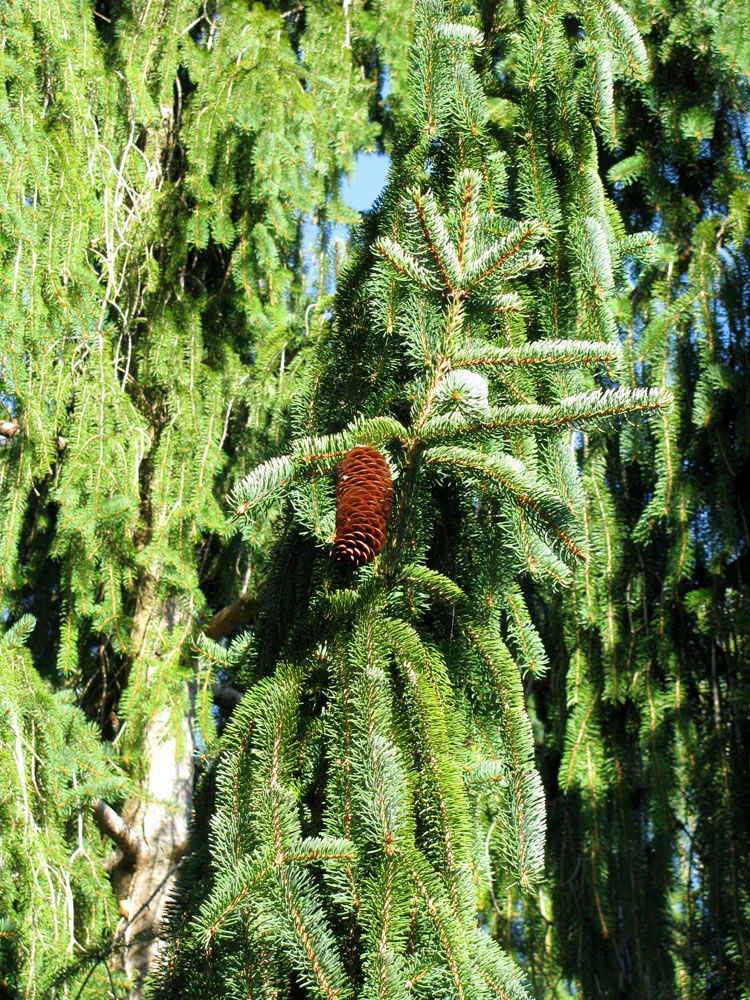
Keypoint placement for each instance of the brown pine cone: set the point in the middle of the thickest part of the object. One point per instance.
(364, 493)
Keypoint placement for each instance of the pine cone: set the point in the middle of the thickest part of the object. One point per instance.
(364, 493)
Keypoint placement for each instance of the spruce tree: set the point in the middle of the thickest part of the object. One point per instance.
(158, 327)
(661, 633)
(378, 777)
(643, 717)
(158, 163)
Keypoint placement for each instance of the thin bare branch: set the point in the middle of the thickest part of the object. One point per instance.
(117, 829)
(234, 616)
(226, 696)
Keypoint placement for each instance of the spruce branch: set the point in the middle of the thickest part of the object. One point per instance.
(469, 182)
(444, 788)
(503, 251)
(445, 924)
(226, 696)
(234, 889)
(434, 583)
(509, 475)
(404, 263)
(597, 256)
(506, 302)
(324, 451)
(626, 37)
(463, 34)
(271, 481)
(546, 354)
(262, 486)
(598, 408)
(435, 232)
(114, 827)
(233, 617)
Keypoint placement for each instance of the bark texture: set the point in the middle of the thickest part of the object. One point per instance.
(160, 821)
(163, 827)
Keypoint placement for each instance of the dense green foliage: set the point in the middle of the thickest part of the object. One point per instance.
(506, 758)
(380, 772)
(51, 851)
(156, 178)
(645, 713)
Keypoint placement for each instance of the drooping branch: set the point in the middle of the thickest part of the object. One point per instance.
(234, 616)
(118, 830)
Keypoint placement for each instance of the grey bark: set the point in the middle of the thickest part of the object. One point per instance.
(164, 831)
(160, 821)
(226, 696)
(115, 827)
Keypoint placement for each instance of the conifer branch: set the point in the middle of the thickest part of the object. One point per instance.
(114, 827)
(384, 933)
(9, 428)
(585, 409)
(502, 252)
(409, 650)
(404, 263)
(231, 618)
(330, 992)
(501, 470)
(226, 696)
(546, 354)
(243, 883)
(468, 216)
(419, 205)
(434, 911)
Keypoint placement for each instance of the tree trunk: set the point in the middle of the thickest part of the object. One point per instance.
(163, 829)
(161, 822)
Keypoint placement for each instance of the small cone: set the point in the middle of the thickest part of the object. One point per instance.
(364, 493)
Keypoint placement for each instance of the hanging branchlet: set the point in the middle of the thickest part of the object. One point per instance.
(384, 738)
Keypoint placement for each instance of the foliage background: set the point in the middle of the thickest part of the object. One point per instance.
(158, 312)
